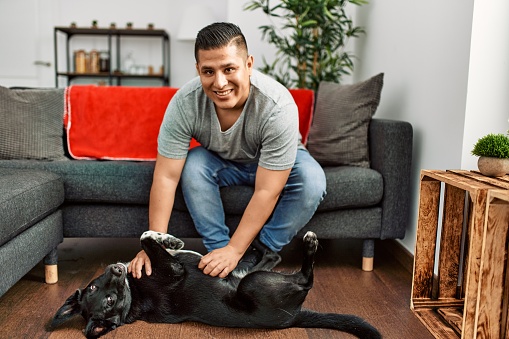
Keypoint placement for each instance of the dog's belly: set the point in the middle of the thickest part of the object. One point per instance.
(216, 301)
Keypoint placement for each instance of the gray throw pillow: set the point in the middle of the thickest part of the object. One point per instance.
(339, 132)
(31, 124)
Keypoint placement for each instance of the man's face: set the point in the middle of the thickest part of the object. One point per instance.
(224, 74)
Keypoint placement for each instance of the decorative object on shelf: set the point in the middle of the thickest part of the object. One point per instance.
(493, 153)
(310, 38)
(73, 24)
(150, 26)
(104, 61)
(94, 61)
(80, 62)
(113, 25)
(129, 64)
(129, 25)
(94, 24)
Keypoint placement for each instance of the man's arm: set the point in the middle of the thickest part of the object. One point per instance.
(162, 196)
(268, 186)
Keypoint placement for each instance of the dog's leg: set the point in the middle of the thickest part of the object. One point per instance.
(269, 260)
(166, 240)
(156, 245)
(310, 247)
(288, 291)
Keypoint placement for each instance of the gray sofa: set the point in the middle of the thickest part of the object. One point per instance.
(110, 198)
(31, 223)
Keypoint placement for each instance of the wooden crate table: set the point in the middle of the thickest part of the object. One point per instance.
(468, 297)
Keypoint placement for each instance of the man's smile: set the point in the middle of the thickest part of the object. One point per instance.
(223, 93)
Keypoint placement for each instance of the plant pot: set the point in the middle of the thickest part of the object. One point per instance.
(493, 167)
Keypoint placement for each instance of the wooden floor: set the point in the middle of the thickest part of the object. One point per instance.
(382, 297)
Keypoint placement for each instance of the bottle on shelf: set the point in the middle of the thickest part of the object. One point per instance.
(104, 61)
(129, 64)
(94, 61)
(80, 61)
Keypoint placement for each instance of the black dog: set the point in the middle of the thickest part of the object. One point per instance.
(178, 291)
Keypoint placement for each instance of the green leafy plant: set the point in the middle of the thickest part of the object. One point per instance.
(310, 39)
(492, 145)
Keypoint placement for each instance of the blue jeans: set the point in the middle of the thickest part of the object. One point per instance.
(205, 172)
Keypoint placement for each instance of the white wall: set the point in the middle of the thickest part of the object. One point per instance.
(487, 108)
(423, 48)
(249, 23)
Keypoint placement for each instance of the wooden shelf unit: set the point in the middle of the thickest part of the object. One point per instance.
(114, 76)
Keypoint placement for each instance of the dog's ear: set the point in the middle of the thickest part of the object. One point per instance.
(70, 308)
(98, 327)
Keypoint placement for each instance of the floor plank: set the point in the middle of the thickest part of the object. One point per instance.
(382, 297)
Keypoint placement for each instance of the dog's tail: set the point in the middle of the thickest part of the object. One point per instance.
(342, 322)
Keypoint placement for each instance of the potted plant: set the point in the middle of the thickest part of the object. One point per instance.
(493, 153)
(311, 41)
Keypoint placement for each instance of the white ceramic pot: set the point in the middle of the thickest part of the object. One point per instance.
(493, 167)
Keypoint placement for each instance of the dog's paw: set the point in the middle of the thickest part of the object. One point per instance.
(166, 240)
(311, 241)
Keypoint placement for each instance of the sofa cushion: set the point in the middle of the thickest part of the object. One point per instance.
(31, 124)
(347, 187)
(97, 181)
(26, 197)
(339, 132)
(127, 182)
(351, 187)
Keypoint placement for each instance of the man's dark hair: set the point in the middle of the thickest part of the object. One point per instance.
(217, 35)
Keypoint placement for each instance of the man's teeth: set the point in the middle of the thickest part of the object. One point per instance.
(221, 93)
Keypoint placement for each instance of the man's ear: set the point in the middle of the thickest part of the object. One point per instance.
(69, 309)
(250, 63)
(98, 327)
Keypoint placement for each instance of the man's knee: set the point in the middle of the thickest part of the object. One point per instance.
(313, 181)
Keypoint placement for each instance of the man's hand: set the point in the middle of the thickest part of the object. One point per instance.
(220, 262)
(137, 264)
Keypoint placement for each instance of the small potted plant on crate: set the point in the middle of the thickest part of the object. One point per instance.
(493, 153)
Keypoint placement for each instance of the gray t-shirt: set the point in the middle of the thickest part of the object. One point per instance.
(267, 131)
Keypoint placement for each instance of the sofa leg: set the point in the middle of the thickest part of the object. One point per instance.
(51, 267)
(368, 254)
(51, 274)
(367, 264)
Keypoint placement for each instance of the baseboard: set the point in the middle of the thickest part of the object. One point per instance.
(400, 253)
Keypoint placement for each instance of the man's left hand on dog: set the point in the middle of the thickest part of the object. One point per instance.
(220, 262)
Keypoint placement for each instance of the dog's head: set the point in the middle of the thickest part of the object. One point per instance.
(104, 303)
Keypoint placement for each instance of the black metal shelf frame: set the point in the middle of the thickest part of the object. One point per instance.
(110, 34)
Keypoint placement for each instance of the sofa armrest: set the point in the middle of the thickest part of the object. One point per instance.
(390, 150)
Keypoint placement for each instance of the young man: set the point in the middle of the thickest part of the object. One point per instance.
(247, 125)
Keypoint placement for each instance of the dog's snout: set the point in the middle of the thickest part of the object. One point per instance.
(117, 270)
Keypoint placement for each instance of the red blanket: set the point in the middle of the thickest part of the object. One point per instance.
(122, 123)
(305, 100)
